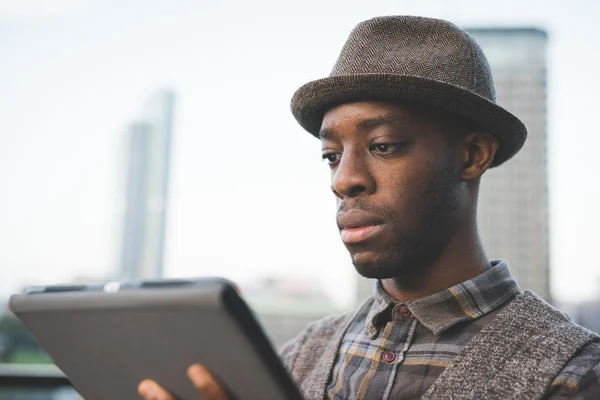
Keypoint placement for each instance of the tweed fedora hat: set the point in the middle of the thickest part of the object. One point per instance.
(424, 60)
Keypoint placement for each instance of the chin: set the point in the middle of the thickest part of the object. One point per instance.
(373, 265)
(394, 264)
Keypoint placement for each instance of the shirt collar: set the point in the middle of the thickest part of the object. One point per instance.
(468, 300)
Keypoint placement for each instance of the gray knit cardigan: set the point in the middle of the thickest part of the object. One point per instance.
(516, 356)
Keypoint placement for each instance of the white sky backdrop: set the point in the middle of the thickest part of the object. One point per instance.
(249, 196)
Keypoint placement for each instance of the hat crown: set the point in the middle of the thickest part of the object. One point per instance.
(422, 60)
(420, 47)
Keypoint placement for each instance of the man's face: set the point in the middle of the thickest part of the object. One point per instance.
(395, 175)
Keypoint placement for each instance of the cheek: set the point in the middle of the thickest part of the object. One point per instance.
(400, 187)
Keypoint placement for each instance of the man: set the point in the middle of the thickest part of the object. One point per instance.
(408, 124)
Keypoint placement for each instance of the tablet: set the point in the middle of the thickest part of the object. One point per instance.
(107, 338)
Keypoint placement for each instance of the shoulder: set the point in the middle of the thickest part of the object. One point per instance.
(545, 320)
(579, 377)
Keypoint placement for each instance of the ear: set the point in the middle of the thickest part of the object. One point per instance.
(477, 153)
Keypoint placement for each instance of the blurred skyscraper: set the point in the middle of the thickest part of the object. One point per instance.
(513, 201)
(146, 184)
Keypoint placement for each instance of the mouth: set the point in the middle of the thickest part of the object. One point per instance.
(359, 234)
(358, 226)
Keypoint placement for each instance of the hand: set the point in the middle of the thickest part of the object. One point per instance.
(201, 378)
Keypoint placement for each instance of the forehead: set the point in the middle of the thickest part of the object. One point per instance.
(363, 115)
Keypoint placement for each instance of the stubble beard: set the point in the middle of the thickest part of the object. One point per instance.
(412, 253)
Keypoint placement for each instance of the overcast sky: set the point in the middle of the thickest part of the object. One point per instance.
(249, 194)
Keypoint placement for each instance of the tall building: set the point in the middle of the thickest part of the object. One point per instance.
(146, 188)
(513, 201)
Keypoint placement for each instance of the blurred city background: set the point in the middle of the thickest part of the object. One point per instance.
(149, 139)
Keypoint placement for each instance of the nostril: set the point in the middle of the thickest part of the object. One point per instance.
(357, 190)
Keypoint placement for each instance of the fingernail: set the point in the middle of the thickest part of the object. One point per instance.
(146, 391)
(197, 374)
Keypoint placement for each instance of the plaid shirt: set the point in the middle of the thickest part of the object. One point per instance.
(397, 350)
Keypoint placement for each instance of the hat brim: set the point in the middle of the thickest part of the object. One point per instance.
(312, 100)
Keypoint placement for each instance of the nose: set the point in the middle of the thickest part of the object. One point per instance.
(352, 176)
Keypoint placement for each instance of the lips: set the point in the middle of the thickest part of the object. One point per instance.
(357, 226)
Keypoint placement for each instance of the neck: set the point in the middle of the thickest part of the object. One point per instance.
(463, 258)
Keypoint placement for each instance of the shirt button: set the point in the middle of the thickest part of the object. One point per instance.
(389, 356)
(404, 312)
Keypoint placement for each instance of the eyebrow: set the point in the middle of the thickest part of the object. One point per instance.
(368, 124)
(372, 123)
(325, 134)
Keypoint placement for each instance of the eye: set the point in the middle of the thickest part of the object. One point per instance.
(384, 148)
(331, 157)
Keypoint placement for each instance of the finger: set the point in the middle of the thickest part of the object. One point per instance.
(203, 380)
(151, 390)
